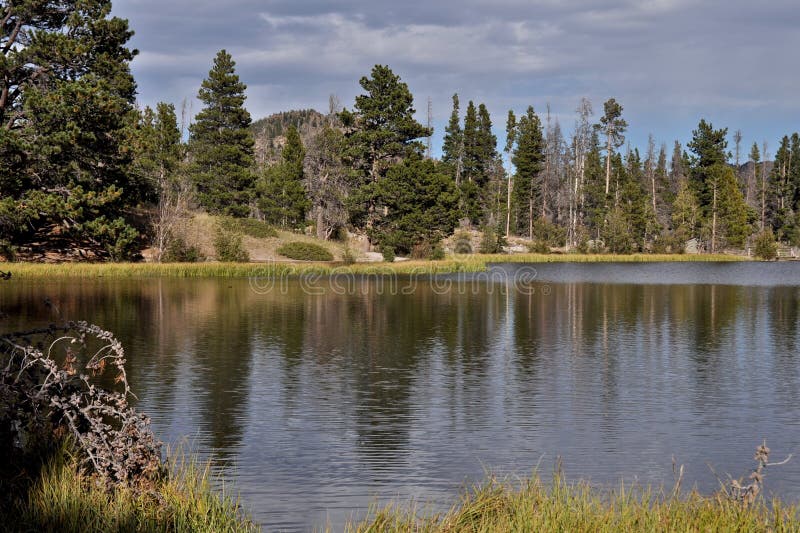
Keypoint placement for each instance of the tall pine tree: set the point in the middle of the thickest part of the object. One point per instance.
(221, 145)
(66, 94)
(528, 159)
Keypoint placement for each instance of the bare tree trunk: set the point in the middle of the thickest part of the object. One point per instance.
(714, 221)
(508, 207)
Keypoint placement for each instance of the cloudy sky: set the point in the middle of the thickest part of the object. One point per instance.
(669, 62)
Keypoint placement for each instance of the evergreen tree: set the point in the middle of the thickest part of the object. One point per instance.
(453, 147)
(528, 160)
(685, 212)
(282, 196)
(418, 205)
(381, 132)
(480, 162)
(221, 145)
(613, 127)
(66, 94)
(710, 148)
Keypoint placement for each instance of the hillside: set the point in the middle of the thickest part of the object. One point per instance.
(269, 132)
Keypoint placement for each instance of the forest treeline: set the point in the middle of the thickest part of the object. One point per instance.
(83, 168)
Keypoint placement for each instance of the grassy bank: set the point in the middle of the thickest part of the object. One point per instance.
(558, 506)
(61, 499)
(468, 263)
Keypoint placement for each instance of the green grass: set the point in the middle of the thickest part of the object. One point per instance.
(62, 499)
(466, 263)
(535, 506)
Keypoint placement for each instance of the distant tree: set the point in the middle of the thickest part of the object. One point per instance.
(511, 132)
(528, 159)
(327, 181)
(613, 127)
(727, 217)
(685, 212)
(66, 96)
(282, 197)
(709, 147)
(221, 145)
(453, 147)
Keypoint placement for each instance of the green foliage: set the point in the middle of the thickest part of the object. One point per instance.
(177, 251)
(281, 195)
(63, 134)
(528, 159)
(765, 246)
(462, 243)
(617, 233)
(417, 204)
(539, 247)
(229, 247)
(221, 146)
(381, 131)
(388, 253)
(116, 237)
(305, 251)
(492, 242)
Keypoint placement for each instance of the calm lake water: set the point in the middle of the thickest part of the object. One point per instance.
(316, 398)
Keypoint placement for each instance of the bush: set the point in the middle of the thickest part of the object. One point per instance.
(229, 247)
(462, 243)
(426, 250)
(539, 247)
(765, 246)
(117, 238)
(305, 251)
(177, 251)
(8, 251)
(388, 253)
(348, 258)
(492, 242)
(248, 226)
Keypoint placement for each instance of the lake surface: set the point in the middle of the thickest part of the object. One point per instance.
(316, 397)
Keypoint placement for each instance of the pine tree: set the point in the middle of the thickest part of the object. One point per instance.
(221, 145)
(453, 147)
(66, 95)
(613, 127)
(282, 197)
(381, 132)
(710, 148)
(528, 160)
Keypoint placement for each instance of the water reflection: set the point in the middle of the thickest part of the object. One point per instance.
(316, 404)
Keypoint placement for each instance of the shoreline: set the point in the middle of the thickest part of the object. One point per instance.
(450, 265)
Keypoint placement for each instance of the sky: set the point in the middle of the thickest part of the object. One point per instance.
(668, 62)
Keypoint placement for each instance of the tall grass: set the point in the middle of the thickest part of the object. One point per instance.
(466, 263)
(62, 499)
(533, 505)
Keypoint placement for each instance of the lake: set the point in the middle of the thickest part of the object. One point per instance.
(316, 397)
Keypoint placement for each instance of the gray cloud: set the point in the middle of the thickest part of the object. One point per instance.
(668, 61)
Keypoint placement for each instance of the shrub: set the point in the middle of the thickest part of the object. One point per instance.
(305, 251)
(8, 251)
(388, 253)
(177, 251)
(117, 238)
(539, 247)
(492, 242)
(462, 243)
(248, 226)
(427, 250)
(765, 246)
(348, 258)
(229, 247)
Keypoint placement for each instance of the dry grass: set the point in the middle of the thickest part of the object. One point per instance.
(535, 506)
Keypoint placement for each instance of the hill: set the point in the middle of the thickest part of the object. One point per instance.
(270, 132)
